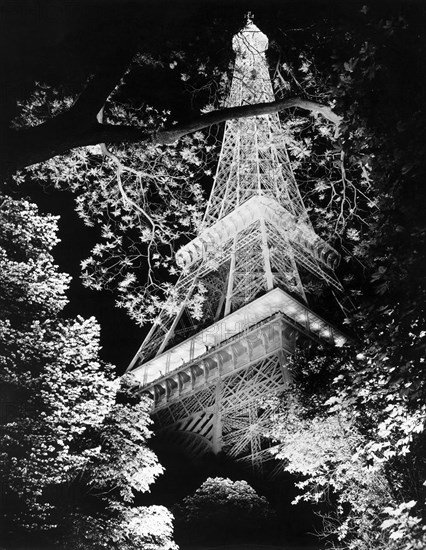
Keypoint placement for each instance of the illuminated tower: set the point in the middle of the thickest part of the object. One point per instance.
(209, 377)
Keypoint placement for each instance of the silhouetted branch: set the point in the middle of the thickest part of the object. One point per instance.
(78, 127)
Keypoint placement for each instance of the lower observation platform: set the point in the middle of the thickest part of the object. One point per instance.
(204, 342)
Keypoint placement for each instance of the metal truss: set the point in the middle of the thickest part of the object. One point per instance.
(256, 232)
(228, 416)
(209, 377)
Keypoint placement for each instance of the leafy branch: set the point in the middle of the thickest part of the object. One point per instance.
(78, 126)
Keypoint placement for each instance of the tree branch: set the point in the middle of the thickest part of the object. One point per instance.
(245, 111)
(111, 133)
(102, 84)
(69, 130)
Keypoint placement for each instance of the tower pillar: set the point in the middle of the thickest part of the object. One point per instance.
(217, 419)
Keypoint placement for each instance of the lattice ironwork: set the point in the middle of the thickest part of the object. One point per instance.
(256, 231)
(209, 377)
(229, 415)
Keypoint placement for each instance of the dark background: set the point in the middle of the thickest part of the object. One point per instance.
(62, 42)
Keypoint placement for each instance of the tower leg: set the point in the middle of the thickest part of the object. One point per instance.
(217, 419)
(284, 369)
(255, 446)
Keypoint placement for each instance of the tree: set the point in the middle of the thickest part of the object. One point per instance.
(355, 432)
(123, 467)
(222, 509)
(71, 445)
(349, 452)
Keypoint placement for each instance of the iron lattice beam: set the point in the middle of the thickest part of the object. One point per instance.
(228, 413)
(209, 378)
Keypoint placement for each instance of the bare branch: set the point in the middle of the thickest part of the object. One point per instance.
(245, 111)
(117, 133)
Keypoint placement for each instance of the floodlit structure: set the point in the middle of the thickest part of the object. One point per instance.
(209, 377)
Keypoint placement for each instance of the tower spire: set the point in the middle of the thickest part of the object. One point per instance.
(249, 17)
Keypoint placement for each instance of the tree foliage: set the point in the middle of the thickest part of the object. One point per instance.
(222, 509)
(143, 200)
(71, 446)
(353, 429)
(362, 460)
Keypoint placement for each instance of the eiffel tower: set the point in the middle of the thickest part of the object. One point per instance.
(208, 378)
